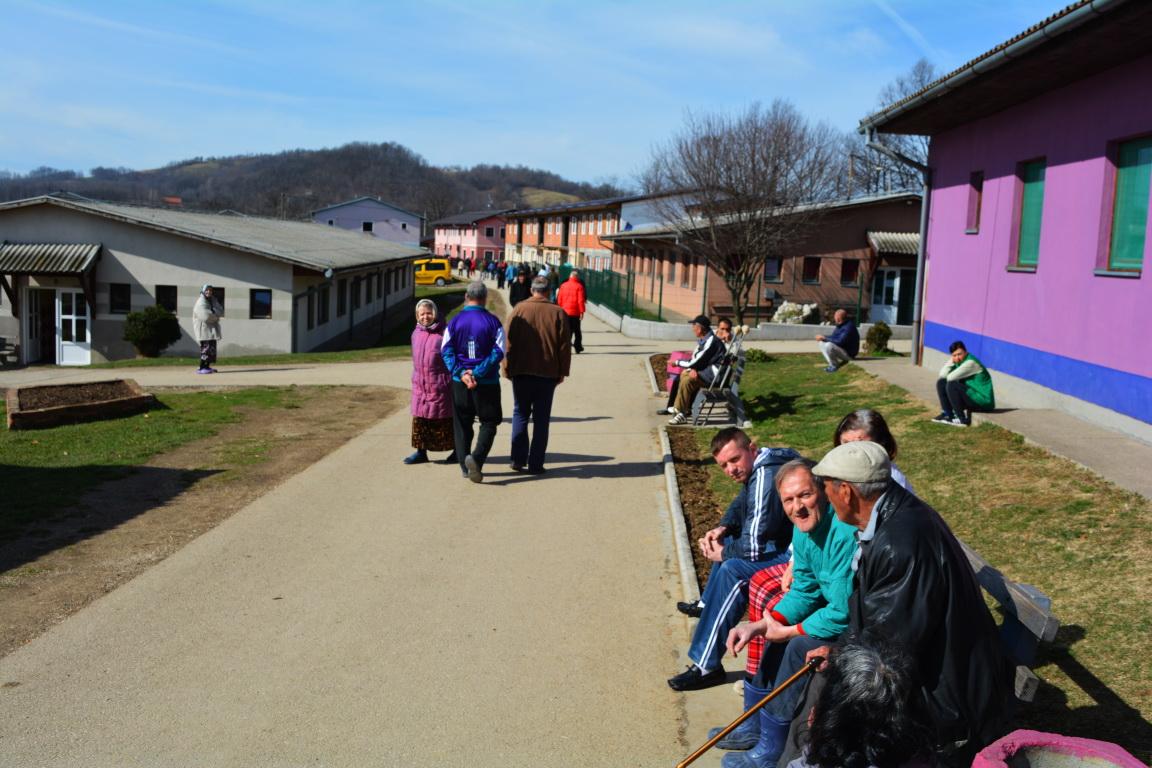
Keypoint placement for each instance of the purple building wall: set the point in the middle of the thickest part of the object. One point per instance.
(1062, 326)
(387, 221)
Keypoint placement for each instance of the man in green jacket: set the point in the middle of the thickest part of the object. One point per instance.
(812, 612)
(964, 386)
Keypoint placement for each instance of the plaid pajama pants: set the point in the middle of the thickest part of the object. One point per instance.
(763, 594)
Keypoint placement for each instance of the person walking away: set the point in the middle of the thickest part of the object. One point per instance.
(431, 388)
(472, 350)
(571, 299)
(537, 360)
(206, 314)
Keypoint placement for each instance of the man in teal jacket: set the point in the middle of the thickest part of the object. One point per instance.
(963, 386)
(813, 612)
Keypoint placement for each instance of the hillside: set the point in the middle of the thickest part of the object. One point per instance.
(293, 183)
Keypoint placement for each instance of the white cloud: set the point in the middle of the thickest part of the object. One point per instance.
(909, 31)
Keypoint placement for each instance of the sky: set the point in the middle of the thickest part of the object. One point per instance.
(584, 88)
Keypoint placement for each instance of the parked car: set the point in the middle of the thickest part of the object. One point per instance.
(433, 272)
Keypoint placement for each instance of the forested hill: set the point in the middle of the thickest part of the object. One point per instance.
(291, 184)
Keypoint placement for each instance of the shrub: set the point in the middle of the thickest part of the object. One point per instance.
(152, 331)
(877, 337)
(757, 356)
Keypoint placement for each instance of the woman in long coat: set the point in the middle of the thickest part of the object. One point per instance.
(431, 388)
(206, 314)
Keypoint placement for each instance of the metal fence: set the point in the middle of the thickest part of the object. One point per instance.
(607, 288)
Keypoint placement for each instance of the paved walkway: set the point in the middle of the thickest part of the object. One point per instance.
(369, 613)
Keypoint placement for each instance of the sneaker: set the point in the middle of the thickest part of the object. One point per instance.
(693, 679)
(831, 369)
(943, 418)
(958, 422)
(474, 474)
(693, 609)
(516, 467)
(679, 418)
(666, 411)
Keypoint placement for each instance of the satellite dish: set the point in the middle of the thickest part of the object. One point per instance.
(328, 273)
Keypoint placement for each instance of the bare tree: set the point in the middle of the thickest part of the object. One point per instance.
(876, 172)
(749, 187)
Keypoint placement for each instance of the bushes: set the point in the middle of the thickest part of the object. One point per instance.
(877, 337)
(152, 330)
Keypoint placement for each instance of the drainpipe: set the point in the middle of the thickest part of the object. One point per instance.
(925, 203)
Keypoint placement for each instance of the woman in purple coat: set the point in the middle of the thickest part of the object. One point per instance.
(431, 388)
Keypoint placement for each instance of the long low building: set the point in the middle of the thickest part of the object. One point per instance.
(72, 269)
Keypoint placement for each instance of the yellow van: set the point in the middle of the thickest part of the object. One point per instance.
(433, 272)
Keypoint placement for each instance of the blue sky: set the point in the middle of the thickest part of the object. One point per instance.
(585, 88)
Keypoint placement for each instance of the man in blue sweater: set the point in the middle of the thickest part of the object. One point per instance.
(843, 345)
(472, 350)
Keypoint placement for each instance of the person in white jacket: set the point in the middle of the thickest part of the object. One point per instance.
(206, 316)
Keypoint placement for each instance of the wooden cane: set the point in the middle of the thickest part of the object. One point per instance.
(806, 669)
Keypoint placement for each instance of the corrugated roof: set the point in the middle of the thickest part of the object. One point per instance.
(904, 243)
(310, 245)
(471, 217)
(46, 258)
(366, 198)
(580, 205)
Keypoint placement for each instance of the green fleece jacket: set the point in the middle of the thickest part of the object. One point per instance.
(977, 380)
(821, 578)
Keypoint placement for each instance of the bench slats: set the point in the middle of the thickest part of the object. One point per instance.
(1024, 602)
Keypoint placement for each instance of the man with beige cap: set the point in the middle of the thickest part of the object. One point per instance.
(914, 586)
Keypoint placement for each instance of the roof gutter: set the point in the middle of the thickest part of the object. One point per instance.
(980, 66)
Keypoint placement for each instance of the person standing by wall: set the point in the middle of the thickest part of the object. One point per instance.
(206, 314)
(571, 299)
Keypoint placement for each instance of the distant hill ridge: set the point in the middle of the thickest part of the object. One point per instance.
(291, 184)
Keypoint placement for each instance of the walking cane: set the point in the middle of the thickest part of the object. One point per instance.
(806, 669)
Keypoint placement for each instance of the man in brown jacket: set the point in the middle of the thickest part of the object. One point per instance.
(538, 356)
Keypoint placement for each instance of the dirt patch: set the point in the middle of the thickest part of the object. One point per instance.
(124, 526)
(32, 398)
(702, 510)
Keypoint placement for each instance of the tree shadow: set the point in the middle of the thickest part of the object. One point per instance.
(1109, 718)
(22, 540)
(561, 419)
(770, 406)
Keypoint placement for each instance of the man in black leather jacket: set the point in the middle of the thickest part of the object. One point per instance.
(914, 585)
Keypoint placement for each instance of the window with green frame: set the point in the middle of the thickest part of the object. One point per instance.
(1130, 205)
(1031, 209)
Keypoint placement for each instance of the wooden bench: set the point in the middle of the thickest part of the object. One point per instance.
(1028, 620)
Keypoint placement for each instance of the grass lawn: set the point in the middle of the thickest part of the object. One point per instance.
(50, 469)
(395, 344)
(1040, 519)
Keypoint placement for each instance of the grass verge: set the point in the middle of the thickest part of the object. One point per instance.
(1040, 519)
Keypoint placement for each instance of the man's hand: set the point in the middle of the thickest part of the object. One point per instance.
(776, 632)
(691, 373)
(824, 652)
(742, 634)
(821, 337)
(711, 545)
(468, 380)
(786, 578)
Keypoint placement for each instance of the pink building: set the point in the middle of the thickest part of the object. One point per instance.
(478, 234)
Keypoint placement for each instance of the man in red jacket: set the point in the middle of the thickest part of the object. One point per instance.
(570, 298)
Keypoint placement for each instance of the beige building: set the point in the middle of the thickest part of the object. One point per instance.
(71, 270)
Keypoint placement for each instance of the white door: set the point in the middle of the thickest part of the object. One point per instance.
(72, 321)
(885, 292)
(32, 325)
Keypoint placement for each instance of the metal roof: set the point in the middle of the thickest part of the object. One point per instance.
(470, 217)
(580, 205)
(1083, 39)
(369, 199)
(303, 243)
(47, 258)
(904, 243)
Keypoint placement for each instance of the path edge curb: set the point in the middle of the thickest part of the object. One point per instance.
(689, 586)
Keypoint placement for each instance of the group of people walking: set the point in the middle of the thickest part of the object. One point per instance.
(456, 370)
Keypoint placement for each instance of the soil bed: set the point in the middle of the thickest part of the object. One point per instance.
(702, 511)
(33, 398)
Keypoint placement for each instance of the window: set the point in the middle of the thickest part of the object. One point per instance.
(685, 260)
(975, 198)
(772, 270)
(366, 226)
(357, 293)
(849, 272)
(331, 222)
(119, 298)
(1029, 210)
(166, 297)
(488, 255)
(501, 233)
(260, 304)
(342, 298)
(218, 294)
(600, 224)
(671, 278)
(311, 315)
(811, 272)
(368, 283)
(380, 285)
(322, 305)
(695, 271)
(1130, 205)
(489, 232)
(404, 225)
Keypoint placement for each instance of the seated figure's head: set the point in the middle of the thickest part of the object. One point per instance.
(735, 452)
(801, 495)
(869, 712)
(958, 351)
(865, 424)
(839, 316)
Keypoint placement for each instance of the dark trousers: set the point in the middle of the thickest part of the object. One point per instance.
(778, 663)
(577, 337)
(954, 398)
(482, 403)
(532, 399)
(207, 353)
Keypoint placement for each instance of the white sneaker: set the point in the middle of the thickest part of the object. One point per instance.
(678, 419)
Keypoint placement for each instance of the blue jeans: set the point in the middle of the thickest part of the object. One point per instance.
(725, 600)
(531, 399)
(786, 660)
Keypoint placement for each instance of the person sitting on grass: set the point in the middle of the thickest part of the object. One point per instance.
(843, 345)
(753, 534)
(963, 386)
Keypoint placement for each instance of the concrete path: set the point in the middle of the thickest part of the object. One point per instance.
(369, 613)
